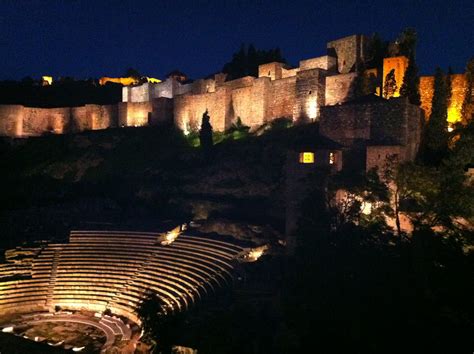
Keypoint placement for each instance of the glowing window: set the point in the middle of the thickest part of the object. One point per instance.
(306, 157)
(332, 158)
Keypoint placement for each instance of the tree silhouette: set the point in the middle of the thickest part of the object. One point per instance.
(411, 83)
(131, 72)
(205, 134)
(467, 105)
(246, 61)
(390, 85)
(407, 42)
(436, 135)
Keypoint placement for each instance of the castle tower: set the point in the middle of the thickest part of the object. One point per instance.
(349, 51)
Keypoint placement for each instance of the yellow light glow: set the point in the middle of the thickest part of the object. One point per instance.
(169, 237)
(312, 108)
(332, 158)
(306, 157)
(47, 80)
(152, 80)
(252, 254)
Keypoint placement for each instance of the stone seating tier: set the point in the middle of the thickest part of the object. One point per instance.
(99, 270)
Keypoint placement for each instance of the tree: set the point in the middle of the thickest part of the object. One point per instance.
(131, 72)
(247, 59)
(467, 105)
(411, 83)
(205, 134)
(436, 134)
(449, 86)
(378, 50)
(407, 42)
(364, 84)
(159, 324)
(390, 85)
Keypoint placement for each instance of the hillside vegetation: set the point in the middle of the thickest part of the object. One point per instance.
(135, 176)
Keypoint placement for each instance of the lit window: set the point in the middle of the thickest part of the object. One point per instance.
(306, 157)
(332, 158)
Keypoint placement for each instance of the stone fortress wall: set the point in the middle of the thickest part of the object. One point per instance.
(21, 121)
(278, 91)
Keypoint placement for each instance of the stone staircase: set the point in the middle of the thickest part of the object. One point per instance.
(52, 279)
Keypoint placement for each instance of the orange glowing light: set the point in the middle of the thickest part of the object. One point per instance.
(126, 81)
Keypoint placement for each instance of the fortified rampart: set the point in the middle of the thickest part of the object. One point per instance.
(377, 128)
(278, 91)
(21, 121)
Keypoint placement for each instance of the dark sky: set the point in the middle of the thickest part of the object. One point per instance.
(96, 38)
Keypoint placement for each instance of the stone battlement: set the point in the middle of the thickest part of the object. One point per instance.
(278, 91)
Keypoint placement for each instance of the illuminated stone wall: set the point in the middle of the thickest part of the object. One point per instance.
(399, 65)
(250, 103)
(188, 110)
(310, 94)
(282, 99)
(101, 116)
(348, 51)
(459, 88)
(381, 121)
(134, 114)
(325, 62)
(271, 70)
(11, 117)
(20, 121)
(339, 88)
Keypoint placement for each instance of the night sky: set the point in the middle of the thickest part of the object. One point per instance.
(102, 38)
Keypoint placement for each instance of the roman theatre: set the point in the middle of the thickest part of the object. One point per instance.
(108, 274)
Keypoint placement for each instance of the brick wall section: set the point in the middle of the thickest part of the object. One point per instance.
(346, 124)
(188, 110)
(325, 62)
(282, 99)
(134, 114)
(20, 121)
(271, 70)
(376, 156)
(348, 51)
(100, 116)
(339, 88)
(310, 94)
(162, 111)
(382, 122)
(38, 121)
(11, 120)
(251, 103)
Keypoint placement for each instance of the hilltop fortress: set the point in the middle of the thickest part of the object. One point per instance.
(319, 89)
